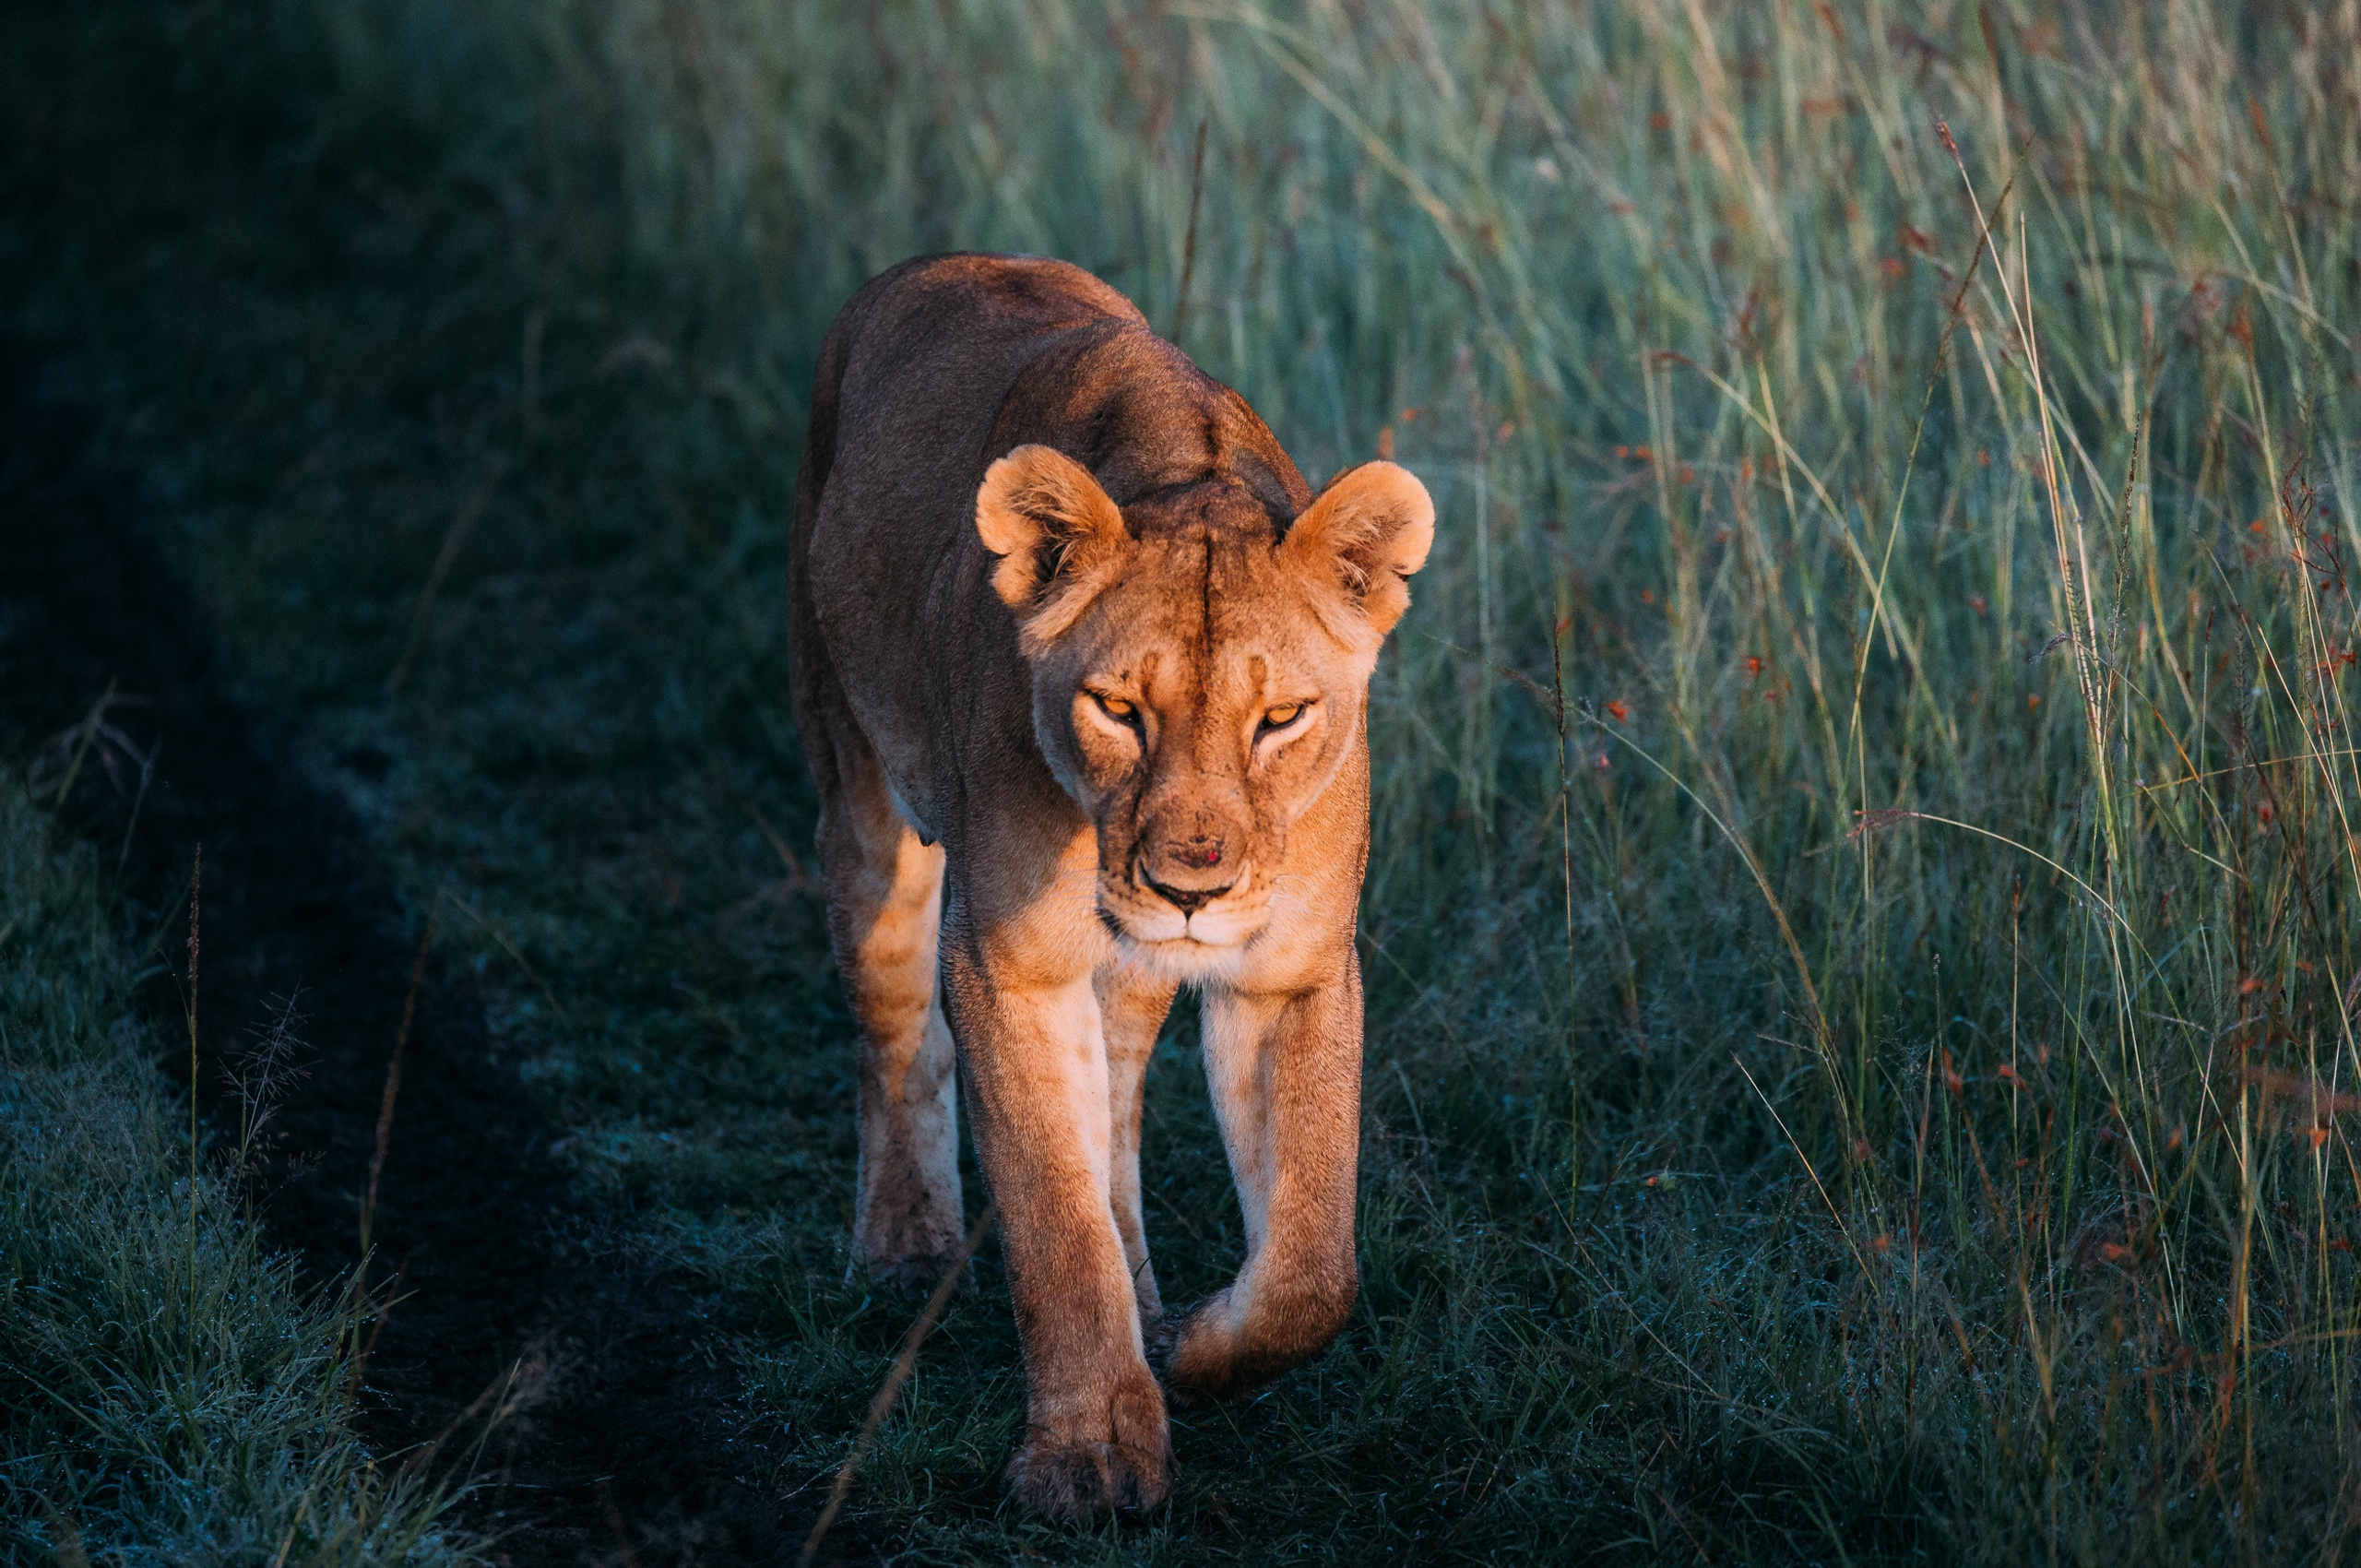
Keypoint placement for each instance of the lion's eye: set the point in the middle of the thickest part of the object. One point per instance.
(1282, 716)
(1116, 707)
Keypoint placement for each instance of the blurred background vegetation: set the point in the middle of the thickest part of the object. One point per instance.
(1862, 928)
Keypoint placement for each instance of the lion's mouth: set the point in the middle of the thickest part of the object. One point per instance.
(1155, 913)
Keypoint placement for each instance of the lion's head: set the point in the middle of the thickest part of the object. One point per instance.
(1199, 674)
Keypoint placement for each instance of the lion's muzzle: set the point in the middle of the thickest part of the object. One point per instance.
(1188, 900)
(1152, 911)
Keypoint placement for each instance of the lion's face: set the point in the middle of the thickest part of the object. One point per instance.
(1196, 683)
(1195, 726)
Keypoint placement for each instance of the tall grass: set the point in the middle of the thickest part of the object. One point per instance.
(1920, 450)
(168, 1393)
(1861, 933)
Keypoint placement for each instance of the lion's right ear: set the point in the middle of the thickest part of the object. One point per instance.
(1055, 532)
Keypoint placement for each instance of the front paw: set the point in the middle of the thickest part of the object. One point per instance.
(1198, 1363)
(1119, 1459)
(1231, 1344)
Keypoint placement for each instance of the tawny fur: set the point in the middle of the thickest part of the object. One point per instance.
(1081, 667)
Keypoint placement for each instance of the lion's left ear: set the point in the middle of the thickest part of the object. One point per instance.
(1370, 529)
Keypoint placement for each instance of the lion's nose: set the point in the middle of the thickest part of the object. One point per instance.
(1188, 900)
(1203, 850)
(1189, 870)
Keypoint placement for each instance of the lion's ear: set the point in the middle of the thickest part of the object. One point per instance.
(1370, 529)
(1055, 532)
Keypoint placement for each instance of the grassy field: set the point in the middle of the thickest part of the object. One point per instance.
(1861, 934)
(168, 1392)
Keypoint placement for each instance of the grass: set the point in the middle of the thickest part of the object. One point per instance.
(167, 1393)
(1861, 929)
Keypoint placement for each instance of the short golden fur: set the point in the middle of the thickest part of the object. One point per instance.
(1081, 667)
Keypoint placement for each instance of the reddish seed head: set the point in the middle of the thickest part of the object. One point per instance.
(1619, 711)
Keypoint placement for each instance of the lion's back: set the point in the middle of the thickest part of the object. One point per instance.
(911, 378)
(931, 346)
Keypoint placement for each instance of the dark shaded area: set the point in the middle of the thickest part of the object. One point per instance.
(620, 1442)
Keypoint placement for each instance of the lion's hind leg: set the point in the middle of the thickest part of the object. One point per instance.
(884, 910)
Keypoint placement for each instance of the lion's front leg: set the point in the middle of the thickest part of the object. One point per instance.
(1131, 1006)
(1284, 1070)
(1037, 1075)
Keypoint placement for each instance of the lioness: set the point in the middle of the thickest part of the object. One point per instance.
(1081, 667)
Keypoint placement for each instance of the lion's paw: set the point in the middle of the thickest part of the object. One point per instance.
(1122, 1461)
(1201, 1364)
(1078, 1480)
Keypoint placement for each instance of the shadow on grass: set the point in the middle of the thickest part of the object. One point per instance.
(617, 1430)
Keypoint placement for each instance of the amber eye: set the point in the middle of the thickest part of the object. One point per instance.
(1116, 707)
(1282, 716)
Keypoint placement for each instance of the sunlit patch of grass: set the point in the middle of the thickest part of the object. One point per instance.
(1869, 1075)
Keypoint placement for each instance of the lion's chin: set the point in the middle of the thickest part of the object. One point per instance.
(1186, 962)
